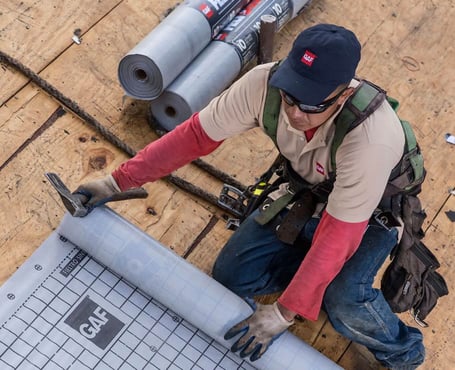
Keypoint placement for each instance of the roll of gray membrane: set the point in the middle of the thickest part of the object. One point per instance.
(178, 285)
(214, 69)
(146, 70)
(218, 65)
(99, 293)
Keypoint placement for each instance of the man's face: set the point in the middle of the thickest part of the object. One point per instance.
(306, 121)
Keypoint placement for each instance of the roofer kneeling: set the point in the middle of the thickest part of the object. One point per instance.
(333, 260)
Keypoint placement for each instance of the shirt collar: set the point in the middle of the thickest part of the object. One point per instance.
(321, 133)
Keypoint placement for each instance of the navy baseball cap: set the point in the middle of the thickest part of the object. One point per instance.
(322, 58)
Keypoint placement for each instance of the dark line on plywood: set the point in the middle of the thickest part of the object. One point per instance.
(319, 333)
(340, 357)
(59, 112)
(201, 236)
(438, 212)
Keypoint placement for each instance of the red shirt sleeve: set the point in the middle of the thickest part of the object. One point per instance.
(334, 242)
(185, 143)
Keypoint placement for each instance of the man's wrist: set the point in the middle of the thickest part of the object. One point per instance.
(113, 183)
(287, 314)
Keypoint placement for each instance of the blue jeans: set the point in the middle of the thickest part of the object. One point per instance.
(254, 262)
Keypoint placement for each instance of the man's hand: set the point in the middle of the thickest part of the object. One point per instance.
(98, 190)
(258, 331)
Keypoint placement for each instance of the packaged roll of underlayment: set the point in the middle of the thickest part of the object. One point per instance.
(146, 70)
(220, 62)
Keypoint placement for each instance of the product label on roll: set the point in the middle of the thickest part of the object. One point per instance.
(218, 12)
(243, 31)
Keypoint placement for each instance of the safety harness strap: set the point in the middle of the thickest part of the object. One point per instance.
(274, 208)
(409, 178)
(272, 107)
(366, 98)
(294, 221)
(364, 101)
(405, 178)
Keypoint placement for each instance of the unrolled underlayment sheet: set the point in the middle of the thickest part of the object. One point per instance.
(101, 294)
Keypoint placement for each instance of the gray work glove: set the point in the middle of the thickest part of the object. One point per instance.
(98, 191)
(258, 331)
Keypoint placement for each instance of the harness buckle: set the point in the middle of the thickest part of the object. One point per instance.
(386, 219)
(233, 199)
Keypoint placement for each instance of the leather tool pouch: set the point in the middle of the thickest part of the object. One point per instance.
(411, 282)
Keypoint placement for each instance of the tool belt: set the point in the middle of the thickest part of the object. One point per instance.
(411, 281)
(302, 198)
(302, 195)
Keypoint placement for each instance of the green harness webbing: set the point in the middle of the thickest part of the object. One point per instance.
(364, 101)
(410, 171)
(272, 107)
(274, 208)
(367, 97)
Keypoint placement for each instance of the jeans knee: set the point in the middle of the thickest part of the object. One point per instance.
(228, 275)
(340, 293)
(220, 273)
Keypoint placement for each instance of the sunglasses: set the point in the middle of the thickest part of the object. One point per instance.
(319, 108)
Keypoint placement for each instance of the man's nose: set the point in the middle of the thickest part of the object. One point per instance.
(295, 112)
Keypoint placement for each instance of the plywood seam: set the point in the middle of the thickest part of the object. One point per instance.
(210, 225)
(438, 212)
(49, 122)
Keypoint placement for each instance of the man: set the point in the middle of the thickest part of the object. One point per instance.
(338, 270)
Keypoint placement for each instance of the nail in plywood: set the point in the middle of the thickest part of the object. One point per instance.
(37, 32)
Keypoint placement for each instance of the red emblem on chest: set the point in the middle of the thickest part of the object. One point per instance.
(320, 168)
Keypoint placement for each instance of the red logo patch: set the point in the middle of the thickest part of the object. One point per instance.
(205, 9)
(308, 58)
(320, 168)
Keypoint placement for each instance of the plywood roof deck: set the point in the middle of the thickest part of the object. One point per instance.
(408, 48)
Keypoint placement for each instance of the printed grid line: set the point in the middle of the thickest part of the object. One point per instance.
(155, 337)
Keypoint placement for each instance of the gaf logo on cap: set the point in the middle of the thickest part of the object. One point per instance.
(308, 58)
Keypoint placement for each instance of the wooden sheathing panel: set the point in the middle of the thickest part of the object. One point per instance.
(87, 73)
(329, 342)
(81, 82)
(358, 357)
(36, 32)
(21, 117)
(209, 245)
(413, 61)
(30, 208)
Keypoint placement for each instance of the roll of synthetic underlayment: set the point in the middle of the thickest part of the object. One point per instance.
(200, 82)
(196, 297)
(159, 58)
(214, 69)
